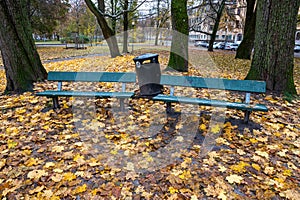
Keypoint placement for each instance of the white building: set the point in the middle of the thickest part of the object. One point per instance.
(231, 25)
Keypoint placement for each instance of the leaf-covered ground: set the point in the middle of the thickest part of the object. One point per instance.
(88, 149)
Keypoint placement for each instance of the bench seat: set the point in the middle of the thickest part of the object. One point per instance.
(211, 102)
(69, 93)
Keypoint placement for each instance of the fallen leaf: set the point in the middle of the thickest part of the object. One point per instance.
(234, 178)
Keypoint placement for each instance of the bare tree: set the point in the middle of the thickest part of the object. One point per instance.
(210, 14)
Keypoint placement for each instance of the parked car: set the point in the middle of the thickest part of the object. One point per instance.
(297, 48)
(207, 45)
(201, 43)
(231, 46)
(219, 45)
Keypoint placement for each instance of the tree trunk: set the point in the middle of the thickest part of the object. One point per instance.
(179, 47)
(106, 30)
(125, 24)
(244, 50)
(21, 60)
(219, 12)
(157, 30)
(273, 59)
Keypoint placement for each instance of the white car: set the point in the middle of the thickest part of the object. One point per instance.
(219, 45)
(231, 46)
(201, 43)
(297, 48)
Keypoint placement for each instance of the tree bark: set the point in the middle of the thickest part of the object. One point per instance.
(273, 59)
(219, 12)
(244, 50)
(179, 47)
(21, 60)
(108, 33)
(125, 27)
(157, 30)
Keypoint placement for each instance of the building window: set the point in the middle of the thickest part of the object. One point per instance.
(239, 37)
(237, 24)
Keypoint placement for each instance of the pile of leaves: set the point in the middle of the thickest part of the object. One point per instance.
(88, 149)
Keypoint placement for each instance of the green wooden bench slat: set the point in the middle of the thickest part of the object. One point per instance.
(214, 83)
(210, 102)
(124, 77)
(68, 93)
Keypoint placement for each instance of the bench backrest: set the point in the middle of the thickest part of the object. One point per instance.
(124, 77)
(214, 83)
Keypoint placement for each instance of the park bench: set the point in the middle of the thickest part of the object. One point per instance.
(117, 77)
(245, 86)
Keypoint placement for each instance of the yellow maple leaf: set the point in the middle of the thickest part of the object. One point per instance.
(216, 129)
(240, 167)
(256, 166)
(185, 175)
(78, 157)
(27, 152)
(253, 140)
(11, 144)
(234, 178)
(31, 161)
(69, 176)
(202, 127)
(287, 172)
(172, 190)
(80, 189)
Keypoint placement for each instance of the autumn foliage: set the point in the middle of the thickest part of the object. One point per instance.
(60, 154)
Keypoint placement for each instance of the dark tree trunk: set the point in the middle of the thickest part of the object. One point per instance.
(219, 12)
(157, 30)
(106, 30)
(21, 60)
(179, 47)
(273, 59)
(244, 50)
(125, 24)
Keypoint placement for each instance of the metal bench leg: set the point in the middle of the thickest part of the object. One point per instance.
(122, 107)
(247, 116)
(55, 102)
(169, 108)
